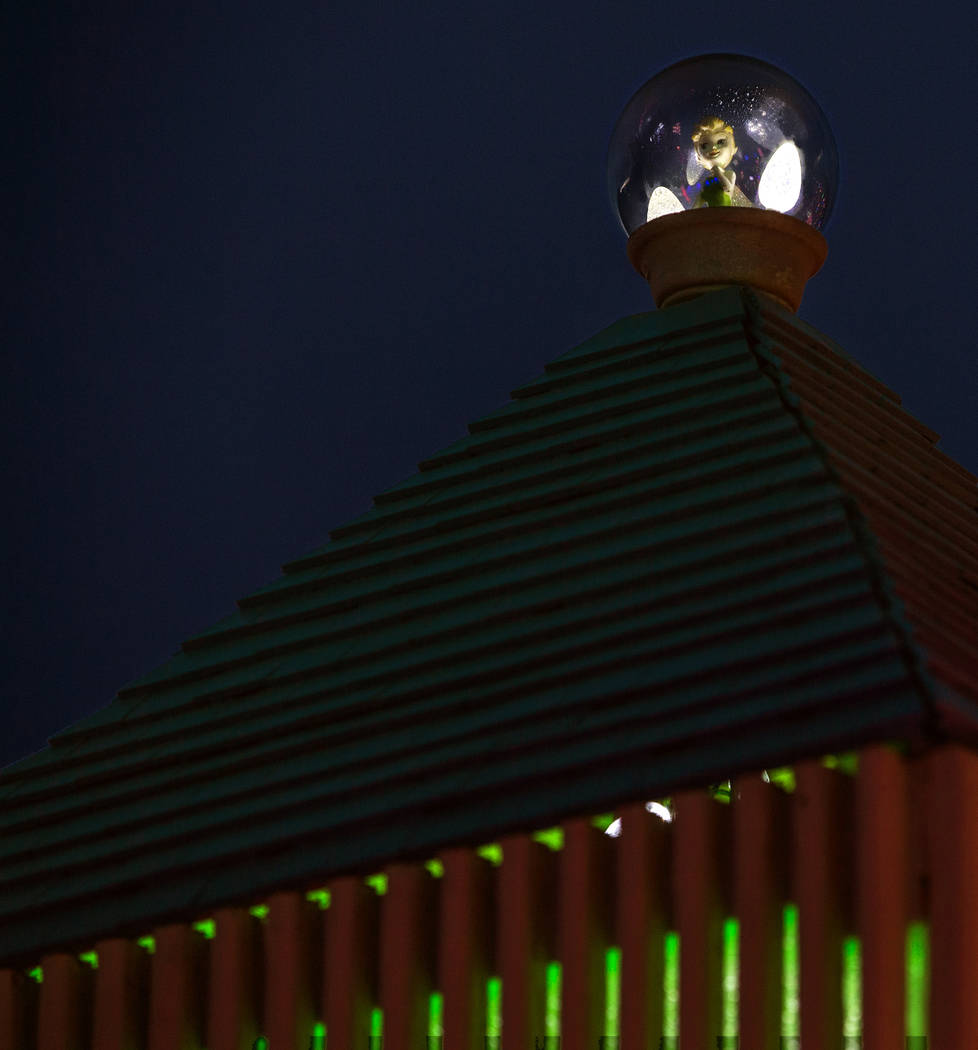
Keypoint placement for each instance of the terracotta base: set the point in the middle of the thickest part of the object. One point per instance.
(688, 253)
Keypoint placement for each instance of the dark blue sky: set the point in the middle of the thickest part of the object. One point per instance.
(267, 258)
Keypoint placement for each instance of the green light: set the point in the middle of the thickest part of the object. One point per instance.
(491, 852)
(552, 838)
(847, 763)
(147, 944)
(551, 1023)
(918, 978)
(261, 1043)
(731, 977)
(435, 868)
(91, 958)
(207, 927)
(378, 883)
(783, 777)
(852, 1020)
(318, 1041)
(494, 1007)
(612, 991)
(436, 1005)
(603, 821)
(376, 1023)
(260, 911)
(320, 898)
(721, 792)
(790, 974)
(670, 987)
(37, 974)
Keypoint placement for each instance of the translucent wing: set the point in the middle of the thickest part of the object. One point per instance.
(780, 185)
(663, 202)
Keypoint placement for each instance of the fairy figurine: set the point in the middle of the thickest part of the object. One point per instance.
(715, 148)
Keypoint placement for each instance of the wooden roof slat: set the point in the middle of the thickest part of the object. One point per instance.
(265, 815)
(578, 653)
(527, 481)
(813, 524)
(433, 683)
(773, 488)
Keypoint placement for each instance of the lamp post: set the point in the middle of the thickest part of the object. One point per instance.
(723, 169)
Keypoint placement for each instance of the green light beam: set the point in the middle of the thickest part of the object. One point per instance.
(670, 986)
(852, 1013)
(790, 974)
(612, 991)
(918, 978)
(730, 1020)
(551, 1024)
(436, 1005)
(494, 1007)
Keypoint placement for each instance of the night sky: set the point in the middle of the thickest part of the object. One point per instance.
(265, 259)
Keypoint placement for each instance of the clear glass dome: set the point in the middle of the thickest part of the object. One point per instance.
(722, 130)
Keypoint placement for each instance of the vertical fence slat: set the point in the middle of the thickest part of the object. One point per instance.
(759, 894)
(289, 979)
(61, 1014)
(350, 964)
(699, 917)
(463, 946)
(525, 929)
(642, 885)
(120, 989)
(13, 1010)
(918, 824)
(582, 932)
(407, 915)
(176, 995)
(953, 833)
(232, 1017)
(821, 831)
(881, 887)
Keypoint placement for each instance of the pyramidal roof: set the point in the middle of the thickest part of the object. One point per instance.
(703, 541)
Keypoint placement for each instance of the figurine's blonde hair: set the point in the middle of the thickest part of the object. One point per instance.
(713, 125)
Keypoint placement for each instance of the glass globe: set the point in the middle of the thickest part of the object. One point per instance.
(722, 131)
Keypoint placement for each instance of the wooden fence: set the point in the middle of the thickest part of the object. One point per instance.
(813, 908)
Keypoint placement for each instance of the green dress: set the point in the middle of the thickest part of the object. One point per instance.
(714, 193)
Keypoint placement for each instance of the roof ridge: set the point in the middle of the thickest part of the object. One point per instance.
(889, 600)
